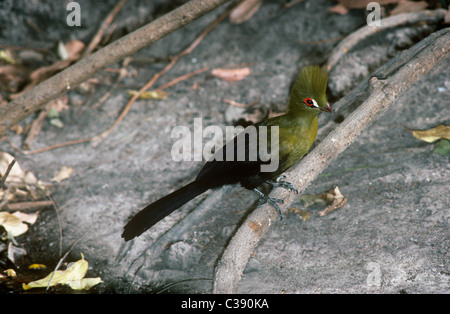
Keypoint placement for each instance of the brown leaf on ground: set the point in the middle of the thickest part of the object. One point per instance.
(244, 11)
(231, 75)
(335, 197)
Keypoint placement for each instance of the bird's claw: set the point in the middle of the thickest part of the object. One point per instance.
(273, 202)
(283, 184)
(263, 199)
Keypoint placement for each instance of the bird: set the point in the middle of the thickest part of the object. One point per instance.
(297, 130)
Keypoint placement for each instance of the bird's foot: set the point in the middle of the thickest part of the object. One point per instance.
(283, 184)
(263, 199)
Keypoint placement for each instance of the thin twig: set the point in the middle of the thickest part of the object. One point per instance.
(181, 78)
(97, 38)
(21, 206)
(35, 128)
(8, 170)
(46, 149)
(291, 4)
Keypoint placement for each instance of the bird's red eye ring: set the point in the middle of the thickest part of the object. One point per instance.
(310, 102)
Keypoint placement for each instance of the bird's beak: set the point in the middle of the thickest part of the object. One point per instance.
(327, 108)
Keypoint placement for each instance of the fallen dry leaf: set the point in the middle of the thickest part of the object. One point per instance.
(338, 9)
(63, 174)
(11, 273)
(335, 197)
(12, 224)
(73, 276)
(155, 94)
(71, 50)
(15, 252)
(15, 224)
(306, 214)
(54, 108)
(37, 266)
(244, 11)
(6, 56)
(59, 104)
(433, 134)
(231, 75)
(85, 283)
(28, 218)
(17, 128)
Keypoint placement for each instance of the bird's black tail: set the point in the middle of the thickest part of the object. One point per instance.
(156, 211)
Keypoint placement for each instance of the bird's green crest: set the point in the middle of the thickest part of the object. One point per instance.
(311, 82)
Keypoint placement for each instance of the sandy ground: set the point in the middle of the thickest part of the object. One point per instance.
(391, 236)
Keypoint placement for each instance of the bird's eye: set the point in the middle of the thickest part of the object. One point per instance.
(310, 103)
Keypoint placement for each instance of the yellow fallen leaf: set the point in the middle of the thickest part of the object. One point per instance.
(18, 129)
(11, 273)
(84, 284)
(63, 174)
(154, 94)
(73, 276)
(28, 218)
(6, 56)
(306, 214)
(37, 266)
(13, 224)
(434, 134)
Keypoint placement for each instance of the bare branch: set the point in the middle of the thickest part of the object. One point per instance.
(385, 87)
(393, 21)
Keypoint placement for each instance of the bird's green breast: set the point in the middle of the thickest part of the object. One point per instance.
(296, 136)
(295, 141)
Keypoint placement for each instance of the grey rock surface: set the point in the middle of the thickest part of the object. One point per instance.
(392, 236)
